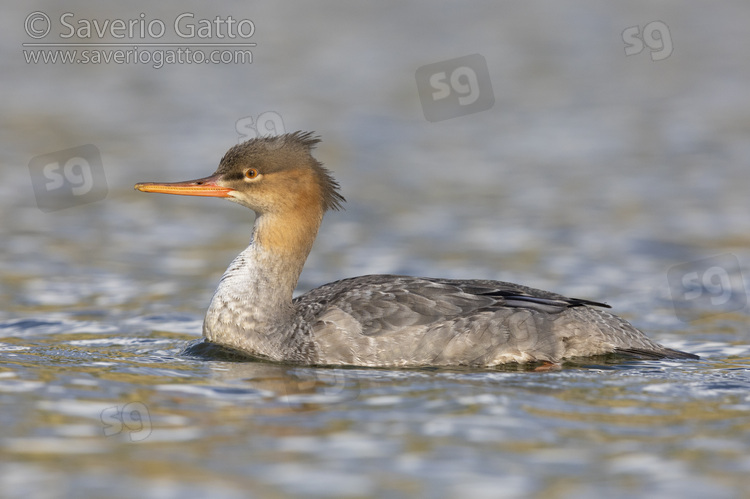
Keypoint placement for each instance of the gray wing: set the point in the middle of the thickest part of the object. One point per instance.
(411, 321)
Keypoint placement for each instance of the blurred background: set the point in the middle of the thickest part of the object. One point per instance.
(604, 155)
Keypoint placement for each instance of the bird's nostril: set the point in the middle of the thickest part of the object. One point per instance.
(199, 183)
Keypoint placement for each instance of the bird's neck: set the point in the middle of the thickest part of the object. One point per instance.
(252, 307)
(273, 261)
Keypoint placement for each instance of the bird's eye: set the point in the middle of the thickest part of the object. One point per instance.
(251, 173)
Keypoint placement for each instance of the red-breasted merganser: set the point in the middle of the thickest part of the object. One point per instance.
(374, 320)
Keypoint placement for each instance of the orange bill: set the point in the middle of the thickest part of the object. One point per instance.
(201, 187)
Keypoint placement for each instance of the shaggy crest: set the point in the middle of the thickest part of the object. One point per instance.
(278, 153)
